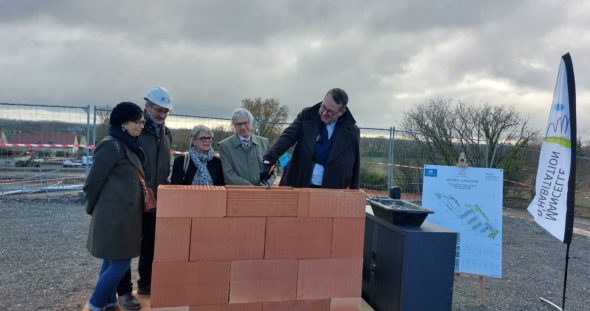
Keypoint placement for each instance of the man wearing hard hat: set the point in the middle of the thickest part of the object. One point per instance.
(155, 139)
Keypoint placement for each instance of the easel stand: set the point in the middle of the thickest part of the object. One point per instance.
(482, 298)
(482, 288)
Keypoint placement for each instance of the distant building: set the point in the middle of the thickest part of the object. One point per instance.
(65, 138)
(62, 138)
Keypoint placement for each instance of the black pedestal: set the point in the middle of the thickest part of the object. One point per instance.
(408, 268)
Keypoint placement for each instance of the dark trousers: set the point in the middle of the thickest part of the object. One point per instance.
(146, 257)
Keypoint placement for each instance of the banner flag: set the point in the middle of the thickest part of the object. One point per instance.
(553, 204)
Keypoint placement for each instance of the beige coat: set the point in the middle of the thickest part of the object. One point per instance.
(241, 166)
(115, 200)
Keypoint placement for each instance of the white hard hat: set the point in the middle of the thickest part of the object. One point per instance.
(160, 97)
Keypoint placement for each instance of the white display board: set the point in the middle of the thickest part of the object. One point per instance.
(468, 200)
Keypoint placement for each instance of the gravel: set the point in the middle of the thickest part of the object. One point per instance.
(44, 264)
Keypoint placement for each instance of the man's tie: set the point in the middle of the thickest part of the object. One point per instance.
(245, 144)
(324, 135)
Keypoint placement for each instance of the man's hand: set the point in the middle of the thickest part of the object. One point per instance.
(266, 171)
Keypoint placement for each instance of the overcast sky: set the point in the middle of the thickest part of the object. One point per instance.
(388, 55)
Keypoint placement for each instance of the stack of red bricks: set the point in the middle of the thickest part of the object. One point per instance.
(256, 249)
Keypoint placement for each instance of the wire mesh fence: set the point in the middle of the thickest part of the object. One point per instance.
(180, 127)
(46, 148)
(35, 142)
(376, 160)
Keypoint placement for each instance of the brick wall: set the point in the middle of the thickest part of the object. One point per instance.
(255, 249)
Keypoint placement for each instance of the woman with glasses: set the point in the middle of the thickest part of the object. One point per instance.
(114, 198)
(199, 166)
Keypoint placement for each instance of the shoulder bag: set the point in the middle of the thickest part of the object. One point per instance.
(149, 199)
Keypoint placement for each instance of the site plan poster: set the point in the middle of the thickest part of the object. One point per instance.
(468, 200)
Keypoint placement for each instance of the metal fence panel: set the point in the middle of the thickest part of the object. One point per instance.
(179, 125)
(35, 140)
(376, 166)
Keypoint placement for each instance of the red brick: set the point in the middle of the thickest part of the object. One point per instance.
(230, 307)
(336, 203)
(329, 278)
(238, 187)
(191, 201)
(227, 238)
(183, 308)
(348, 237)
(302, 202)
(261, 202)
(263, 280)
(172, 239)
(299, 237)
(189, 283)
(298, 305)
(345, 304)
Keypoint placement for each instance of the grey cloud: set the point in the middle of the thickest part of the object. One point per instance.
(388, 55)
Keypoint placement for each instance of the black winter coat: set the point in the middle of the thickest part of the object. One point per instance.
(114, 198)
(342, 170)
(180, 178)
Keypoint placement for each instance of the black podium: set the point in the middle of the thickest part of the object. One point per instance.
(407, 268)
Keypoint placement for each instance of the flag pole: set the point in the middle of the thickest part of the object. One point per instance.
(571, 195)
(566, 234)
(567, 259)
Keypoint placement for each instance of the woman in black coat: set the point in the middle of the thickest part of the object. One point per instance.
(199, 166)
(114, 198)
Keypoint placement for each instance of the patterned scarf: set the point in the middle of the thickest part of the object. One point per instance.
(202, 176)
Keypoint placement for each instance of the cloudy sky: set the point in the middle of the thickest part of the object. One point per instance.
(388, 54)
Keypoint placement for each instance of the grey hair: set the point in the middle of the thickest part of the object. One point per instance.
(198, 130)
(240, 113)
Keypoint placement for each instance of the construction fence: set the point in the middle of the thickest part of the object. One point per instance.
(47, 148)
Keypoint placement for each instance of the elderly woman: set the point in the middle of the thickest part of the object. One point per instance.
(114, 198)
(198, 166)
(241, 154)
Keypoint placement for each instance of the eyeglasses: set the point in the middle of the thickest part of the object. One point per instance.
(240, 124)
(205, 139)
(159, 109)
(328, 111)
(139, 122)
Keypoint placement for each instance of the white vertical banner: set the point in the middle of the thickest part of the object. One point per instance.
(553, 204)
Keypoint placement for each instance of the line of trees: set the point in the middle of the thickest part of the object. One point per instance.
(493, 136)
(446, 127)
(270, 116)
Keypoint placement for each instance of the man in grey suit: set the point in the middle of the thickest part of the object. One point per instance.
(241, 154)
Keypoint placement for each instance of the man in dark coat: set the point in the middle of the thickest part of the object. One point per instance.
(327, 152)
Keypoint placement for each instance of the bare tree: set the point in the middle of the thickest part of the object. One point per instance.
(269, 114)
(442, 125)
(482, 129)
(469, 136)
(431, 124)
